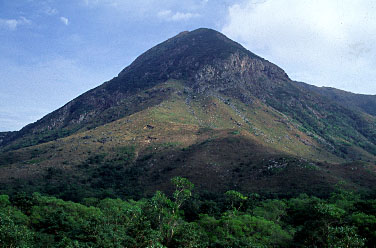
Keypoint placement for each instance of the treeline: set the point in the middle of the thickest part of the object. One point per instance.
(184, 220)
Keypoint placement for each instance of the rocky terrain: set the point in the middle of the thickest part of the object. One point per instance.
(198, 105)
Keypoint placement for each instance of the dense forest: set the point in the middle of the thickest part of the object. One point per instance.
(187, 219)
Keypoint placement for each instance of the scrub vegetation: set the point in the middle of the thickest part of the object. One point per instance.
(184, 219)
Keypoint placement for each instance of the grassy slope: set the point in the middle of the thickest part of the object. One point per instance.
(360, 102)
(218, 142)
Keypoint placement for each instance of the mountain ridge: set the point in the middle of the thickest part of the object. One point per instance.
(361, 102)
(202, 106)
(140, 75)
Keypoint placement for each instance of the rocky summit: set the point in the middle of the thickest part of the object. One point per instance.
(198, 105)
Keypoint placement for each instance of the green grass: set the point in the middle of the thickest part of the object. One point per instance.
(218, 144)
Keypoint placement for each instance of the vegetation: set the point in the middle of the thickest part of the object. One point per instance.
(201, 106)
(345, 219)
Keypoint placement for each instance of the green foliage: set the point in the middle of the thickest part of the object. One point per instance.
(183, 190)
(273, 210)
(345, 219)
(4, 201)
(13, 234)
(236, 199)
(243, 231)
(61, 219)
(14, 231)
(366, 224)
(344, 199)
(344, 236)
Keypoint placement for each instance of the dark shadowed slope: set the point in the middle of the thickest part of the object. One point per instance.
(202, 106)
(189, 56)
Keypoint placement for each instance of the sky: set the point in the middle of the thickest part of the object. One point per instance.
(52, 51)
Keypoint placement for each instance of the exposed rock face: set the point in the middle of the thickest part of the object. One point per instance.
(239, 74)
(204, 59)
(208, 63)
(206, 109)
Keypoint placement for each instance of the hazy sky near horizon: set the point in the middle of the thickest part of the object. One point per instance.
(52, 51)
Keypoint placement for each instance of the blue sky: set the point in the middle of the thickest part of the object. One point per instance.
(52, 51)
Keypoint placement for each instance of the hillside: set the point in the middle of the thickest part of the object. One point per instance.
(198, 105)
(187, 56)
(364, 103)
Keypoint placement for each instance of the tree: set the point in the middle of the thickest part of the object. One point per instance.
(183, 190)
(344, 236)
(165, 214)
(236, 200)
(272, 210)
(14, 231)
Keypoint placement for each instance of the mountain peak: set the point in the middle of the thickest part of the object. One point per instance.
(202, 106)
(201, 45)
(204, 60)
(185, 55)
(199, 31)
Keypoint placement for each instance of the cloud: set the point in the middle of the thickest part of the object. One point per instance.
(50, 11)
(177, 16)
(321, 42)
(164, 13)
(12, 24)
(167, 10)
(64, 20)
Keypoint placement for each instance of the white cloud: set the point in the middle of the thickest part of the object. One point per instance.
(177, 16)
(64, 20)
(50, 11)
(12, 24)
(168, 10)
(164, 13)
(322, 42)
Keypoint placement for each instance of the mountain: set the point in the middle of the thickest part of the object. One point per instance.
(198, 105)
(359, 102)
(189, 56)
